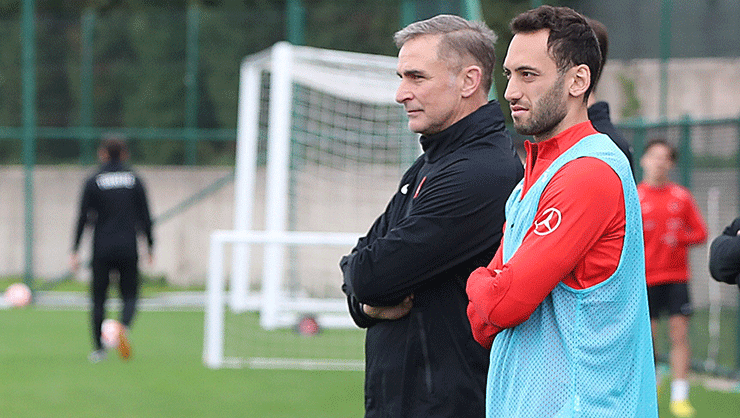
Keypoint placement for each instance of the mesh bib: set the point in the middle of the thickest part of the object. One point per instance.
(582, 353)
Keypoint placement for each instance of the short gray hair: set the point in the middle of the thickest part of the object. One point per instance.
(460, 38)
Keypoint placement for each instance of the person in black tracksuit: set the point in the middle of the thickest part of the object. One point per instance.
(724, 255)
(113, 201)
(405, 280)
(598, 112)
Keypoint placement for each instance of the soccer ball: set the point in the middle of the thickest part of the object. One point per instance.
(308, 326)
(109, 333)
(17, 295)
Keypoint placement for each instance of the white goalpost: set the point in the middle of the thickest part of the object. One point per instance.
(321, 145)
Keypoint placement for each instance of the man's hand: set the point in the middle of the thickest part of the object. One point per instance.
(390, 312)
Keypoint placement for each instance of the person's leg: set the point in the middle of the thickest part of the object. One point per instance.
(128, 283)
(680, 357)
(654, 323)
(657, 303)
(680, 347)
(99, 293)
(129, 288)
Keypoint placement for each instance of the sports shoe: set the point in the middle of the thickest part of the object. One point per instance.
(97, 356)
(682, 409)
(124, 346)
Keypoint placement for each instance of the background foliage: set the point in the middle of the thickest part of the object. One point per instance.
(139, 62)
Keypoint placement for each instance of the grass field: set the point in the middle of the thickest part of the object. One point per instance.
(44, 373)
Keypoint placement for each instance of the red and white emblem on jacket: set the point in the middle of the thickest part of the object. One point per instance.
(548, 222)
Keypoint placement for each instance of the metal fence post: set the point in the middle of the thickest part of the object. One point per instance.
(686, 162)
(296, 20)
(87, 154)
(638, 147)
(737, 322)
(28, 30)
(191, 84)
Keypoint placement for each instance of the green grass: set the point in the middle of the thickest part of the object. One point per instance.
(44, 373)
(150, 285)
(708, 403)
(246, 339)
(727, 356)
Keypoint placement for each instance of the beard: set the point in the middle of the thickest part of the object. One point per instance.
(547, 113)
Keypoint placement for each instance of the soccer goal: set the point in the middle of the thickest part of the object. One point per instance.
(321, 146)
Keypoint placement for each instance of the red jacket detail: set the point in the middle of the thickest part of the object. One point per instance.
(582, 251)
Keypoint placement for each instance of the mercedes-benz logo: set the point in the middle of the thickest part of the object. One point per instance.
(550, 221)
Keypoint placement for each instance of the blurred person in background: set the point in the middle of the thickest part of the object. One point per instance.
(405, 279)
(672, 223)
(114, 203)
(724, 255)
(598, 112)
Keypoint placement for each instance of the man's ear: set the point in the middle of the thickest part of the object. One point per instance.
(471, 80)
(580, 80)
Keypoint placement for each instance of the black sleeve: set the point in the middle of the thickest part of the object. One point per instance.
(82, 217)
(724, 255)
(378, 229)
(355, 311)
(145, 219)
(458, 214)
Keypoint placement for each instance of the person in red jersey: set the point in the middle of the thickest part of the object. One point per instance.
(671, 223)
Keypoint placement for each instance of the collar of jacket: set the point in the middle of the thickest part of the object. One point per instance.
(598, 111)
(113, 166)
(484, 121)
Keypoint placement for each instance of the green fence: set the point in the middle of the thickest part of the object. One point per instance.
(168, 80)
(164, 75)
(709, 165)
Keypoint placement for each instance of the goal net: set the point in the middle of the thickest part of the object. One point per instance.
(321, 146)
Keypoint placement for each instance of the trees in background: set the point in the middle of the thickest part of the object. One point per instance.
(139, 61)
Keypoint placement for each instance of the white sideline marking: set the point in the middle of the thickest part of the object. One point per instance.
(294, 364)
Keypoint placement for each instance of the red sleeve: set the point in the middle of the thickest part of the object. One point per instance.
(695, 231)
(585, 196)
(484, 332)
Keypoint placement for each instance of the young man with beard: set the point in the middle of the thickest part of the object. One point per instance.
(405, 280)
(563, 303)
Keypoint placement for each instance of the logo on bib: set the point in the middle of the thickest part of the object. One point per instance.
(548, 222)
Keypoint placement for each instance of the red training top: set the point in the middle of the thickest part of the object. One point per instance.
(671, 223)
(582, 251)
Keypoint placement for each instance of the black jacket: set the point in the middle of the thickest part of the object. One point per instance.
(598, 114)
(444, 221)
(724, 255)
(114, 201)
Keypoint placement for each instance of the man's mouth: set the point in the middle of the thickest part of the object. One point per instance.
(517, 110)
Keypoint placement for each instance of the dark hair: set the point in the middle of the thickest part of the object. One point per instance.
(114, 146)
(460, 38)
(673, 152)
(603, 37)
(571, 40)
